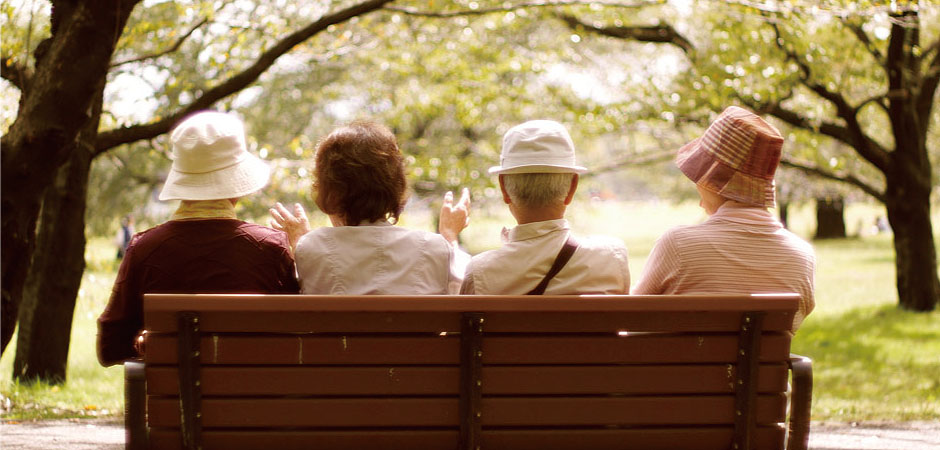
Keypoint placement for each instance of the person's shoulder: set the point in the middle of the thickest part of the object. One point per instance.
(264, 234)
(409, 236)
(602, 245)
(799, 244)
(484, 258)
(600, 241)
(684, 230)
(154, 234)
(434, 242)
(259, 230)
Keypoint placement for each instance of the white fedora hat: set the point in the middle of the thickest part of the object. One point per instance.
(211, 160)
(537, 146)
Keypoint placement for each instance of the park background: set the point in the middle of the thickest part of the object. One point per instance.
(631, 80)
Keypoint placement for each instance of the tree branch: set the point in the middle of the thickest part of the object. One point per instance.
(813, 9)
(935, 47)
(636, 160)
(876, 99)
(846, 178)
(140, 178)
(176, 46)
(852, 133)
(863, 38)
(514, 7)
(112, 138)
(17, 74)
(806, 72)
(867, 148)
(663, 33)
(928, 88)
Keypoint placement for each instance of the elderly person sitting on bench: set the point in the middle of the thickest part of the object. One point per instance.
(203, 248)
(538, 178)
(360, 183)
(742, 247)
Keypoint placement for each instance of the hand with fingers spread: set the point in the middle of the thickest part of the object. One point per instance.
(454, 217)
(295, 223)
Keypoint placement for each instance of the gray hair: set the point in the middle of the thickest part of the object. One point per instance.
(537, 190)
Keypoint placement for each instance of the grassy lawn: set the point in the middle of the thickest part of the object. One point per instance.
(871, 360)
(90, 390)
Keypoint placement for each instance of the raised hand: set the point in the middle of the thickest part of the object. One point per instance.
(454, 217)
(295, 223)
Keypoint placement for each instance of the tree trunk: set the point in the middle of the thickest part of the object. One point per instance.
(909, 177)
(916, 259)
(45, 320)
(55, 104)
(55, 275)
(830, 218)
(783, 209)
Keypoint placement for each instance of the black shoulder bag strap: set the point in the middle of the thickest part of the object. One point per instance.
(563, 256)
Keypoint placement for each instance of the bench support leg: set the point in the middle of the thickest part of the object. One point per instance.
(471, 380)
(135, 406)
(801, 399)
(189, 380)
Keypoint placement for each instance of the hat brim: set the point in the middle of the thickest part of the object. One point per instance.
(238, 180)
(536, 168)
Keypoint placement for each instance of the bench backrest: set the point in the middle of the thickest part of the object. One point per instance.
(438, 372)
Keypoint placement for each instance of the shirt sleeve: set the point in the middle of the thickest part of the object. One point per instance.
(459, 260)
(467, 288)
(622, 256)
(122, 318)
(807, 297)
(287, 272)
(661, 270)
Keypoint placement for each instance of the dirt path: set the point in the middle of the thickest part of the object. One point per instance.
(86, 434)
(875, 436)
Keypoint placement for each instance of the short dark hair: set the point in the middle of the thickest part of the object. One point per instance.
(360, 174)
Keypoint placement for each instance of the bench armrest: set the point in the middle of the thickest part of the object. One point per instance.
(801, 398)
(135, 405)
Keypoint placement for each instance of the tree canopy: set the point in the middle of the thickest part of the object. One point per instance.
(853, 84)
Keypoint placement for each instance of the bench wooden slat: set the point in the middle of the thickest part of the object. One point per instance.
(498, 380)
(461, 303)
(496, 322)
(686, 438)
(367, 349)
(442, 412)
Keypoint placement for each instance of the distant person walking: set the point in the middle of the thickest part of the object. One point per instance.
(124, 235)
(742, 247)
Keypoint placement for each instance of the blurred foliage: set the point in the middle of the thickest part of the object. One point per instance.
(449, 78)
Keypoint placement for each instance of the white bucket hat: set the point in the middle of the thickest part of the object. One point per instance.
(537, 146)
(211, 160)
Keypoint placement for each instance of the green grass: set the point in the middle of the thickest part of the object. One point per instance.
(872, 361)
(90, 390)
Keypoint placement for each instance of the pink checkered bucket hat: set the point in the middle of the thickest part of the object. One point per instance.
(736, 157)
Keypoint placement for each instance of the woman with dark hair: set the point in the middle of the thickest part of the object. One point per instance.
(360, 184)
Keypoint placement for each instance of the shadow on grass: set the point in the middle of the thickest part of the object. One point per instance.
(873, 363)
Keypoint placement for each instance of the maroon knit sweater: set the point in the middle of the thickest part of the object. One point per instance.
(194, 256)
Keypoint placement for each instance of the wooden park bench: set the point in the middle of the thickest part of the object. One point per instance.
(468, 372)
